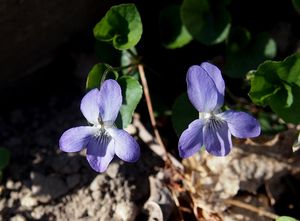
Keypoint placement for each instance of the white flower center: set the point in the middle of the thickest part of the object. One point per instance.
(204, 115)
(211, 119)
(102, 134)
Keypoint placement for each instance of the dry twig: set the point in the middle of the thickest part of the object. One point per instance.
(151, 113)
(249, 207)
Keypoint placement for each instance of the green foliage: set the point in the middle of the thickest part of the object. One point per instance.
(129, 63)
(173, 32)
(286, 218)
(131, 90)
(132, 93)
(4, 159)
(269, 123)
(207, 21)
(99, 72)
(121, 26)
(296, 4)
(277, 84)
(107, 53)
(183, 113)
(244, 53)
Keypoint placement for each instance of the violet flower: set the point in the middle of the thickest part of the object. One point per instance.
(213, 129)
(102, 140)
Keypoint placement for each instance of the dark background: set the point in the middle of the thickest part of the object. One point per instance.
(47, 47)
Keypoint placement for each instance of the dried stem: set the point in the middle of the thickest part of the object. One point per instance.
(151, 113)
(249, 207)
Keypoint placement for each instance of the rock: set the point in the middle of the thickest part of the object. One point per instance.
(38, 212)
(28, 201)
(47, 188)
(126, 211)
(96, 195)
(18, 218)
(78, 213)
(113, 169)
(17, 185)
(97, 182)
(160, 203)
(2, 204)
(10, 203)
(14, 195)
(9, 184)
(105, 212)
(154, 210)
(92, 210)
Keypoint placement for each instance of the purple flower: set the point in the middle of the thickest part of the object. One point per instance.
(102, 140)
(213, 129)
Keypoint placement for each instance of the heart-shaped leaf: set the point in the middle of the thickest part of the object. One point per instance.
(207, 21)
(132, 93)
(122, 26)
(244, 53)
(173, 33)
(286, 218)
(277, 84)
(100, 72)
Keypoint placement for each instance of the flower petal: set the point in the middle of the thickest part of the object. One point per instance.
(241, 124)
(191, 139)
(89, 106)
(202, 90)
(110, 100)
(100, 153)
(126, 147)
(215, 73)
(75, 139)
(217, 138)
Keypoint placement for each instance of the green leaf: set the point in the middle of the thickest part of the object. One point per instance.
(121, 25)
(289, 69)
(183, 113)
(286, 218)
(97, 74)
(296, 4)
(290, 97)
(269, 123)
(132, 93)
(264, 84)
(278, 103)
(107, 53)
(130, 61)
(276, 83)
(207, 21)
(269, 45)
(244, 53)
(4, 158)
(173, 33)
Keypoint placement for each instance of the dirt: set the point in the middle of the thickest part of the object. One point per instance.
(43, 183)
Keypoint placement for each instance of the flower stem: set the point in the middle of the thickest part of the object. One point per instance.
(151, 113)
